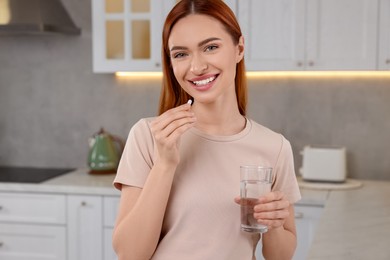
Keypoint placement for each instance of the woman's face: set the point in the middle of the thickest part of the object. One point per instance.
(204, 58)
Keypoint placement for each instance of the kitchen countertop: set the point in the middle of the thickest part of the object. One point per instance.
(355, 223)
(75, 182)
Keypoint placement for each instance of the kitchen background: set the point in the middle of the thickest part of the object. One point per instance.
(51, 103)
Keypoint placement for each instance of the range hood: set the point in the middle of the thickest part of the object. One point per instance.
(36, 17)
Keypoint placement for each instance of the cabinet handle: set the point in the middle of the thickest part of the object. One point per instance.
(311, 63)
(83, 203)
(298, 215)
(1, 244)
(157, 64)
(388, 61)
(299, 63)
(1, 207)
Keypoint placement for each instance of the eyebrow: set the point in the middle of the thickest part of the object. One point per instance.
(199, 44)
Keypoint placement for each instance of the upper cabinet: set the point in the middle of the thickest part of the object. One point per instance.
(384, 33)
(279, 34)
(127, 35)
(273, 33)
(341, 34)
(309, 34)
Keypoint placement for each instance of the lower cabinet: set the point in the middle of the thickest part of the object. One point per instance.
(91, 222)
(110, 205)
(306, 220)
(32, 242)
(35, 226)
(85, 227)
(109, 253)
(32, 226)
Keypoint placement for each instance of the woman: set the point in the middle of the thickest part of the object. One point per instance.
(179, 173)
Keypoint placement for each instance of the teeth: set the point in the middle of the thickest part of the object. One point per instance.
(203, 82)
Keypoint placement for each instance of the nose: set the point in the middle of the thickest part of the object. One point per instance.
(198, 65)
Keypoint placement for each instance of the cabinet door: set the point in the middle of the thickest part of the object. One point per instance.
(109, 253)
(32, 242)
(306, 220)
(85, 227)
(384, 35)
(32, 208)
(341, 34)
(274, 33)
(126, 35)
(110, 208)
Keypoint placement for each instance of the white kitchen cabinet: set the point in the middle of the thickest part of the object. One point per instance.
(274, 33)
(85, 227)
(341, 34)
(32, 226)
(384, 35)
(32, 242)
(111, 205)
(309, 34)
(306, 220)
(127, 35)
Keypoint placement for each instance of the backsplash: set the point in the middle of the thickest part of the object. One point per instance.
(51, 103)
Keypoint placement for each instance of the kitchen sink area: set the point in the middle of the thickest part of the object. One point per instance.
(30, 174)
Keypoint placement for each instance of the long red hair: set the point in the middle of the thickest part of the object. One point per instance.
(172, 94)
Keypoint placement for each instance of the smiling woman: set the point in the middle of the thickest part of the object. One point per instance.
(179, 173)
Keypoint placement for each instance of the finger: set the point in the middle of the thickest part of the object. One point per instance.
(271, 224)
(162, 128)
(272, 215)
(177, 126)
(271, 196)
(237, 200)
(173, 111)
(272, 206)
(173, 136)
(165, 119)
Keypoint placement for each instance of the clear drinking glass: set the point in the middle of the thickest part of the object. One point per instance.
(255, 182)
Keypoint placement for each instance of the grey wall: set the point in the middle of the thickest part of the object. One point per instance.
(51, 103)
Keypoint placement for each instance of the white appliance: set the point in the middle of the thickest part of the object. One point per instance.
(327, 164)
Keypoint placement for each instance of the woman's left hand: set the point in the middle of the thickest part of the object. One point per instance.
(272, 210)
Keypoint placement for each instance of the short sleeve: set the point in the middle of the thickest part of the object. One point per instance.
(137, 157)
(285, 179)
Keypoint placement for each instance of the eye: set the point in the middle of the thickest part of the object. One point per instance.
(178, 55)
(211, 47)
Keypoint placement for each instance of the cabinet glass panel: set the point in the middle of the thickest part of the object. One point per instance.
(140, 6)
(140, 39)
(115, 40)
(114, 6)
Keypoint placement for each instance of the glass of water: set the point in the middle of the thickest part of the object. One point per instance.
(255, 181)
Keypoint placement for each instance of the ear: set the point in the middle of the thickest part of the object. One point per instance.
(240, 48)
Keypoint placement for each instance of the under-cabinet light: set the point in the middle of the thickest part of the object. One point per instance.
(260, 74)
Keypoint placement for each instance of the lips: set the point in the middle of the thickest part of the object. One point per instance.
(203, 83)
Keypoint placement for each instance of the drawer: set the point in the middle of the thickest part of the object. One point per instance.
(110, 208)
(32, 208)
(33, 242)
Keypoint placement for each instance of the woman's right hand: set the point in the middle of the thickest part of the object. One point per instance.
(167, 130)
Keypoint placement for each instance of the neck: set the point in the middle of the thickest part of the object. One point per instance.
(219, 120)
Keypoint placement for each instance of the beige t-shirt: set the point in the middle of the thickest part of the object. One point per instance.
(202, 221)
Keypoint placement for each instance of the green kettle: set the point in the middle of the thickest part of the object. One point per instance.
(105, 151)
